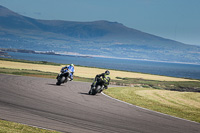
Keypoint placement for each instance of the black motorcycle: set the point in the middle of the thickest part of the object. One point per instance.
(96, 87)
(63, 77)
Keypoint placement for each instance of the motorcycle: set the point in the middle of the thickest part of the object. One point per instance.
(63, 77)
(96, 87)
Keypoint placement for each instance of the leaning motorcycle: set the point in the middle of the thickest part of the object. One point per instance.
(63, 77)
(96, 87)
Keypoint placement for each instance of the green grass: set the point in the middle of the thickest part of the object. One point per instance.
(12, 127)
(179, 104)
(27, 72)
(32, 62)
(183, 86)
(36, 73)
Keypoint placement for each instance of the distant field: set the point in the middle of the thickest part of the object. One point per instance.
(87, 72)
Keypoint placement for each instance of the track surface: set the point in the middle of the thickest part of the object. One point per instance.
(68, 108)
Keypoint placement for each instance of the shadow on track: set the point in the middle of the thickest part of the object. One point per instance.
(83, 93)
(52, 84)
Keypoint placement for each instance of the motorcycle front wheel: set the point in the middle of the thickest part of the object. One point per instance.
(60, 80)
(92, 91)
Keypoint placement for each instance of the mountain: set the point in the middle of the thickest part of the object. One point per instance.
(103, 38)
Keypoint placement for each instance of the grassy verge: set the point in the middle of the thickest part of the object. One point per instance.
(183, 86)
(12, 127)
(25, 72)
(180, 104)
(32, 62)
(37, 73)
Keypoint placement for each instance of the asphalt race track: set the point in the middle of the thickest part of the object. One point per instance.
(68, 108)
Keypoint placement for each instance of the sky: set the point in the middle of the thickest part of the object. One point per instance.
(172, 19)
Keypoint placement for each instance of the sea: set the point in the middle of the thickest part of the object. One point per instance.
(191, 71)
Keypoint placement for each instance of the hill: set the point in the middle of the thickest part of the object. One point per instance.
(102, 38)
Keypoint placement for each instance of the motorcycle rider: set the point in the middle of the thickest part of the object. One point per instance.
(102, 79)
(71, 69)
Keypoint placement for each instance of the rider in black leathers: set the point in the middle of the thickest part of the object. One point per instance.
(102, 79)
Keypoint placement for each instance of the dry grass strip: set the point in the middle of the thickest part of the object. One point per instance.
(87, 72)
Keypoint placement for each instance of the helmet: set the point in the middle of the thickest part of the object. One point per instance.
(107, 72)
(72, 65)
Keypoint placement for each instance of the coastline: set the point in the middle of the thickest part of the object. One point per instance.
(73, 54)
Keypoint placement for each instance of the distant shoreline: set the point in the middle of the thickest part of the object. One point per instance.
(3, 53)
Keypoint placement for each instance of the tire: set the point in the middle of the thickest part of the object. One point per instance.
(93, 91)
(90, 92)
(62, 80)
(58, 79)
(58, 83)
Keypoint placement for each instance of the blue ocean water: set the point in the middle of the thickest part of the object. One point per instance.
(151, 67)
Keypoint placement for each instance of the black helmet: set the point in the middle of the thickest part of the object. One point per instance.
(107, 72)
